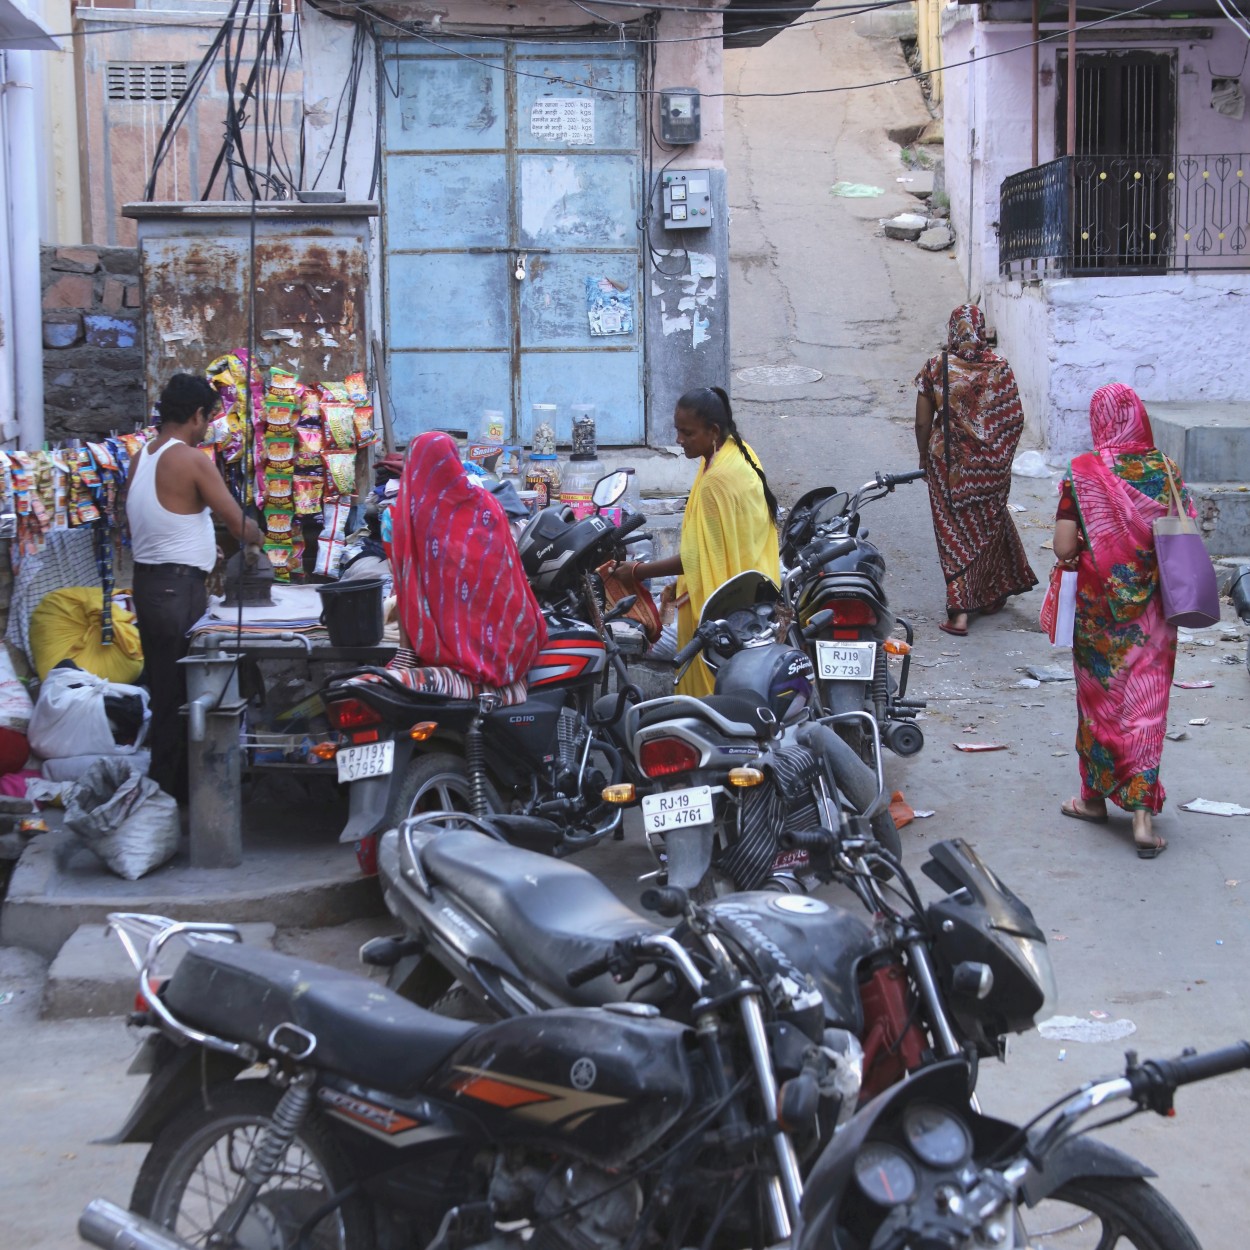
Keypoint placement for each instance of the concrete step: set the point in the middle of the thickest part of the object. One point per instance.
(1210, 442)
(93, 976)
(1224, 514)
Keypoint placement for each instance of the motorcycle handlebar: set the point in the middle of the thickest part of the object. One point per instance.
(630, 523)
(1187, 1068)
(897, 479)
(689, 651)
(828, 550)
(667, 900)
(805, 839)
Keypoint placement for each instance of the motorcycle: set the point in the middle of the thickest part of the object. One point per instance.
(402, 751)
(728, 772)
(836, 586)
(290, 1105)
(1239, 592)
(491, 929)
(918, 1167)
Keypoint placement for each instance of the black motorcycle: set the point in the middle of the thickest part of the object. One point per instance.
(490, 930)
(290, 1105)
(836, 585)
(917, 1167)
(403, 751)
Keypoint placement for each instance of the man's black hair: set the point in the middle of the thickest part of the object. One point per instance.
(184, 395)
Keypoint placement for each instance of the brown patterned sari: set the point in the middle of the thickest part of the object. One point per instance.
(976, 426)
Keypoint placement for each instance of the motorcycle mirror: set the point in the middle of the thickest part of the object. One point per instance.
(609, 489)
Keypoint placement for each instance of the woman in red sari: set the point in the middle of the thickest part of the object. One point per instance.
(1123, 651)
(968, 423)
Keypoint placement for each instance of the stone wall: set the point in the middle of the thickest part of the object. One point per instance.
(92, 341)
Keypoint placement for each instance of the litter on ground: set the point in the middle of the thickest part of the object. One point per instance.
(1201, 720)
(855, 190)
(901, 810)
(1051, 672)
(979, 746)
(1178, 735)
(1193, 685)
(1076, 1029)
(1209, 807)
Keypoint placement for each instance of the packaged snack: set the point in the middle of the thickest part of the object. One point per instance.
(340, 472)
(329, 556)
(334, 393)
(309, 488)
(309, 442)
(280, 451)
(278, 486)
(295, 561)
(279, 555)
(310, 404)
(339, 421)
(278, 522)
(101, 454)
(279, 413)
(357, 389)
(86, 511)
(334, 517)
(282, 381)
(363, 417)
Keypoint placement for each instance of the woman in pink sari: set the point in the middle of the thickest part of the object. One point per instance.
(1123, 650)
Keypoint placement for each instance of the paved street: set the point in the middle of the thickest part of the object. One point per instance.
(1161, 944)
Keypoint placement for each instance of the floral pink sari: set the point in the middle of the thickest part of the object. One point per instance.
(1123, 651)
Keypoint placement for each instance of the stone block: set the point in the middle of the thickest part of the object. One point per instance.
(1224, 515)
(123, 260)
(76, 259)
(106, 331)
(1210, 442)
(62, 380)
(62, 331)
(74, 290)
(114, 294)
(918, 182)
(936, 238)
(134, 295)
(906, 226)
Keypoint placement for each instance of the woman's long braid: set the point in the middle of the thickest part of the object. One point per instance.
(731, 431)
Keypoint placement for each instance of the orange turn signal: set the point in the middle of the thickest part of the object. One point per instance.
(896, 646)
(324, 750)
(423, 730)
(621, 793)
(745, 777)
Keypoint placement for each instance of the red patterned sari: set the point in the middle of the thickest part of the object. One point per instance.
(1123, 651)
(969, 467)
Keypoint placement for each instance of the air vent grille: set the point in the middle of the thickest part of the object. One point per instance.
(147, 80)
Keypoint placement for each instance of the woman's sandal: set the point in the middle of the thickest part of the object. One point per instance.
(1074, 809)
(1152, 849)
(947, 628)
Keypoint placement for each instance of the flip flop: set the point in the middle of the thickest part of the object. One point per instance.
(947, 628)
(1070, 809)
(1154, 850)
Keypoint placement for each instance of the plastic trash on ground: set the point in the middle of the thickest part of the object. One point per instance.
(1030, 464)
(1209, 807)
(901, 810)
(123, 817)
(855, 190)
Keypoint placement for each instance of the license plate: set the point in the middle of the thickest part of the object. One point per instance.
(675, 809)
(845, 661)
(374, 759)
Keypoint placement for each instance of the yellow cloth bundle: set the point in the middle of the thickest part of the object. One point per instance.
(726, 531)
(66, 626)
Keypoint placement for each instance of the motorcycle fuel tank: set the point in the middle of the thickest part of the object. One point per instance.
(573, 653)
(604, 1084)
(795, 935)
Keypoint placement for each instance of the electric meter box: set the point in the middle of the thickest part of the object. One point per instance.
(679, 115)
(687, 199)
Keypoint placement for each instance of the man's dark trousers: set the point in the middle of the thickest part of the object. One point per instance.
(169, 599)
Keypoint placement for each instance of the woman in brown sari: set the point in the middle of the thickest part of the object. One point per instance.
(968, 422)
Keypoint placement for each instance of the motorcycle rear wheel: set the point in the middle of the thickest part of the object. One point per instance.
(196, 1165)
(437, 782)
(1099, 1212)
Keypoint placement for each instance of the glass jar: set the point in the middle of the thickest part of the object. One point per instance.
(584, 440)
(543, 429)
(577, 484)
(542, 475)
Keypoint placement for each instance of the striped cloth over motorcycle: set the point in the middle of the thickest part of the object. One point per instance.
(463, 598)
(448, 684)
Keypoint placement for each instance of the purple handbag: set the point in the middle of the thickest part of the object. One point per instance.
(1191, 594)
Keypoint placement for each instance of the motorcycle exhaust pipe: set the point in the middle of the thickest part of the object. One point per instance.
(107, 1225)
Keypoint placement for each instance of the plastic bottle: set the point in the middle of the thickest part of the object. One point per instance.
(577, 483)
(542, 475)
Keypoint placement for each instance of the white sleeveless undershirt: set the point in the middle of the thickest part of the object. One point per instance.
(158, 536)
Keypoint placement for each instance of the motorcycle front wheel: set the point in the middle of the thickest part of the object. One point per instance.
(197, 1163)
(1097, 1213)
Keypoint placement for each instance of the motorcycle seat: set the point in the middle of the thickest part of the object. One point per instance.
(363, 1030)
(735, 715)
(549, 915)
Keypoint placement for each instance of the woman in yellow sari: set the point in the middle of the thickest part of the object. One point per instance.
(730, 523)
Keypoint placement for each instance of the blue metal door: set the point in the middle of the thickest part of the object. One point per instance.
(512, 261)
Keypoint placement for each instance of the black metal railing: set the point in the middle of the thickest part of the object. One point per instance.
(1126, 214)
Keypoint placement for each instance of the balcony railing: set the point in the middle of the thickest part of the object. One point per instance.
(1126, 215)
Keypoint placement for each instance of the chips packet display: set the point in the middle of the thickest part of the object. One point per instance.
(279, 555)
(282, 381)
(340, 472)
(278, 523)
(329, 557)
(279, 488)
(356, 387)
(279, 413)
(280, 451)
(309, 490)
(309, 443)
(362, 415)
(334, 393)
(339, 421)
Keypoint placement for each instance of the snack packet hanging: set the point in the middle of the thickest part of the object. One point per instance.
(279, 555)
(279, 523)
(334, 517)
(333, 393)
(278, 488)
(279, 413)
(310, 404)
(362, 415)
(340, 426)
(340, 472)
(280, 451)
(309, 489)
(356, 387)
(329, 557)
(309, 443)
(282, 381)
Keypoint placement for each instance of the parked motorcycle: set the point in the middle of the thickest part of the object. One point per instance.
(918, 1167)
(403, 752)
(491, 929)
(378, 1125)
(724, 775)
(1239, 592)
(836, 584)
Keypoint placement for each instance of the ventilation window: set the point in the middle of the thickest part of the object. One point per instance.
(147, 80)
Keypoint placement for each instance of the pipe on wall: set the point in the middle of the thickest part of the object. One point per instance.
(8, 366)
(26, 326)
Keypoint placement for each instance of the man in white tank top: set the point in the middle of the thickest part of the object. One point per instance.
(170, 494)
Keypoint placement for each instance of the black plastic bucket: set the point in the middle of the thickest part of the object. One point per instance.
(352, 612)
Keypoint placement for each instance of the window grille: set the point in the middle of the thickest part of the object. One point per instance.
(146, 80)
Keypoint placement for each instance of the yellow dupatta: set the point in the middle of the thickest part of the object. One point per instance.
(726, 530)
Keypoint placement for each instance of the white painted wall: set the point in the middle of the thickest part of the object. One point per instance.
(1019, 312)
